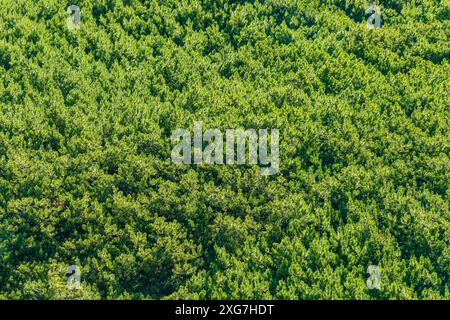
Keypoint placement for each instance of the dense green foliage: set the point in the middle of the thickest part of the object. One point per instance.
(86, 176)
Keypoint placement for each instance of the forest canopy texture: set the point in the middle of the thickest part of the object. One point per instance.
(86, 176)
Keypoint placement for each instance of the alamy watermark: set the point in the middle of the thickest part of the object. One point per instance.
(74, 277)
(374, 279)
(374, 20)
(74, 20)
(235, 142)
